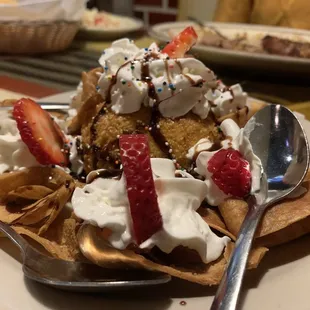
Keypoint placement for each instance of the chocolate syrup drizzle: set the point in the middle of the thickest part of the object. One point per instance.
(97, 152)
(155, 115)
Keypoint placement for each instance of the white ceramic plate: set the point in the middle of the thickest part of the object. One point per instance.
(254, 34)
(281, 282)
(126, 26)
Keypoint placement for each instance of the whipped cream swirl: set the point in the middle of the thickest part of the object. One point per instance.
(133, 77)
(104, 203)
(237, 140)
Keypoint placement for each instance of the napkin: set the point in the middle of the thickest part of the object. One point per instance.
(41, 10)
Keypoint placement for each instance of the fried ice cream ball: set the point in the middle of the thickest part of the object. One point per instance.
(100, 136)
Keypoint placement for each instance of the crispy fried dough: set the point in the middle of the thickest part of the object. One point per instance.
(281, 223)
(40, 194)
(205, 274)
(181, 134)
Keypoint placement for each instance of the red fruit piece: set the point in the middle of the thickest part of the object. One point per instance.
(181, 43)
(230, 172)
(40, 133)
(145, 213)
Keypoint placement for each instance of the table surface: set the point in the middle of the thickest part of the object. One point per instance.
(45, 75)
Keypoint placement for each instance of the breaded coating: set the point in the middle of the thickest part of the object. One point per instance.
(100, 135)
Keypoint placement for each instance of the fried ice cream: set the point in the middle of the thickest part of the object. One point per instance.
(175, 102)
(100, 138)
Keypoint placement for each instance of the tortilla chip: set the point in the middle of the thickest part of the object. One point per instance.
(90, 81)
(62, 195)
(97, 251)
(307, 177)
(85, 113)
(44, 176)
(59, 240)
(64, 235)
(7, 102)
(54, 249)
(283, 222)
(40, 210)
(214, 220)
(23, 193)
(89, 99)
(8, 217)
(55, 184)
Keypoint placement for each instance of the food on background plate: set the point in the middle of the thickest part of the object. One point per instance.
(264, 44)
(279, 46)
(155, 162)
(105, 21)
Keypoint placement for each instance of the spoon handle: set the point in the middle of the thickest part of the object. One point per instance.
(14, 236)
(226, 297)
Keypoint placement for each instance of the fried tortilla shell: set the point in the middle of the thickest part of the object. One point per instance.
(205, 274)
(87, 111)
(7, 102)
(213, 219)
(63, 247)
(24, 193)
(282, 222)
(86, 101)
(34, 197)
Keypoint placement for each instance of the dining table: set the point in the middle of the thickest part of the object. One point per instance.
(39, 76)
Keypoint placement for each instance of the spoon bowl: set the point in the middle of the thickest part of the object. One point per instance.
(278, 140)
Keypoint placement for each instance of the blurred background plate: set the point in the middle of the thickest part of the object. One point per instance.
(261, 62)
(107, 26)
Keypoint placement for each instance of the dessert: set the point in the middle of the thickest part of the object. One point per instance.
(146, 91)
(155, 162)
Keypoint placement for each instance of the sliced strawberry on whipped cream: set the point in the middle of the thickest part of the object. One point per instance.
(230, 172)
(181, 43)
(40, 133)
(144, 209)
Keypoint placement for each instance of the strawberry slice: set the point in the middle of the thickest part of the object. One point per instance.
(40, 133)
(230, 172)
(180, 44)
(145, 213)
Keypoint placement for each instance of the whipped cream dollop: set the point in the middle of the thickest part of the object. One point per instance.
(104, 203)
(7, 124)
(236, 139)
(14, 153)
(135, 77)
(225, 100)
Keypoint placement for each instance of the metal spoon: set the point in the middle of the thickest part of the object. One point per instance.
(279, 141)
(78, 276)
